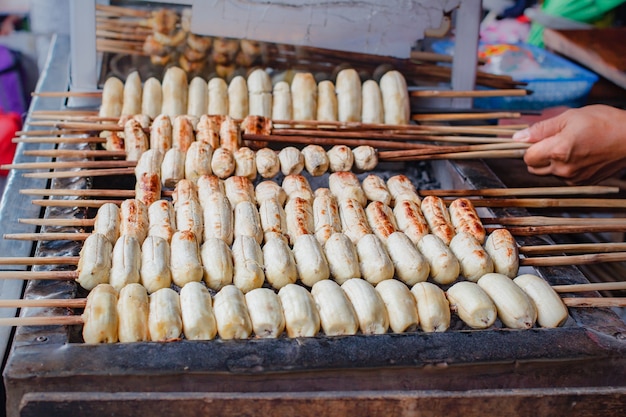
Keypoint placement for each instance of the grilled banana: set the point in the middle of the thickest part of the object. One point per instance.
(310, 260)
(272, 216)
(208, 185)
(410, 265)
(218, 218)
(185, 258)
(348, 89)
(189, 218)
(112, 98)
(100, 316)
(94, 265)
(247, 221)
(400, 304)
(280, 265)
(222, 163)
(248, 263)
(230, 134)
(155, 270)
(411, 220)
(182, 133)
(365, 158)
(231, 313)
(432, 307)
(173, 167)
(299, 218)
(296, 185)
(217, 263)
(135, 140)
(315, 160)
(304, 96)
(337, 315)
(133, 308)
(245, 163)
(107, 222)
(472, 304)
(344, 185)
(208, 130)
(381, 220)
(198, 101)
(401, 188)
(281, 102)
(444, 266)
(148, 177)
(340, 158)
(260, 93)
(353, 220)
(374, 261)
(134, 219)
(198, 161)
(395, 94)
(368, 305)
(239, 189)
(301, 316)
(503, 251)
(266, 313)
(132, 94)
(165, 318)
(375, 189)
(465, 219)
(161, 220)
(175, 92)
(342, 258)
(218, 96)
(515, 309)
(372, 98)
(326, 218)
(152, 97)
(197, 312)
(551, 312)
(267, 163)
(126, 262)
(161, 133)
(438, 218)
(474, 261)
(238, 105)
(291, 160)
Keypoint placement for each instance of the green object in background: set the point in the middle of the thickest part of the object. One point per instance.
(595, 12)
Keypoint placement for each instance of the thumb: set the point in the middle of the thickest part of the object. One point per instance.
(540, 130)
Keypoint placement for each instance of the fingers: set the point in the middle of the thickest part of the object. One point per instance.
(541, 130)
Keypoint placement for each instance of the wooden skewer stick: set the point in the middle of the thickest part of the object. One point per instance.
(553, 221)
(74, 164)
(351, 141)
(560, 229)
(465, 116)
(74, 203)
(110, 34)
(573, 248)
(41, 321)
(58, 222)
(29, 133)
(526, 191)
(504, 154)
(82, 173)
(596, 286)
(45, 302)
(73, 117)
(393, 155)
(548, 202)
(509, 92)
(64, 112)
(59, 139)
(78, 126)
(71, 153)
(84, 193)
(41, 260)
(46, 236)
(595, 302)
(88, 94)
(123, 11)
(566, 260)
(42, 275)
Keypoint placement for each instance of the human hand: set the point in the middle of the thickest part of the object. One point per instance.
(583, 145)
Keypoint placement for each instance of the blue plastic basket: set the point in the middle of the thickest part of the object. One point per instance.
(570, 90)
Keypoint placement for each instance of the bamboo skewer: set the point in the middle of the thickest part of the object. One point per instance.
(41, 321)
(84, 193)
(87, 94)
(74, 203)
(45, 302)
(525, 191)
(46, 236)
(74, 164)
(73, 153)
(504, 154)
(403, 154)
(567, 260)
(29, 133)
(510, 92)
(573, 248)
(596, 286)
(57, 139)
(552, 221)
(64, 112)
(81, 173)
(548, 202)
(465, 116)
(559, 229)
(58, 222)
(41, 260)
(595, 302)
(41, 275)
